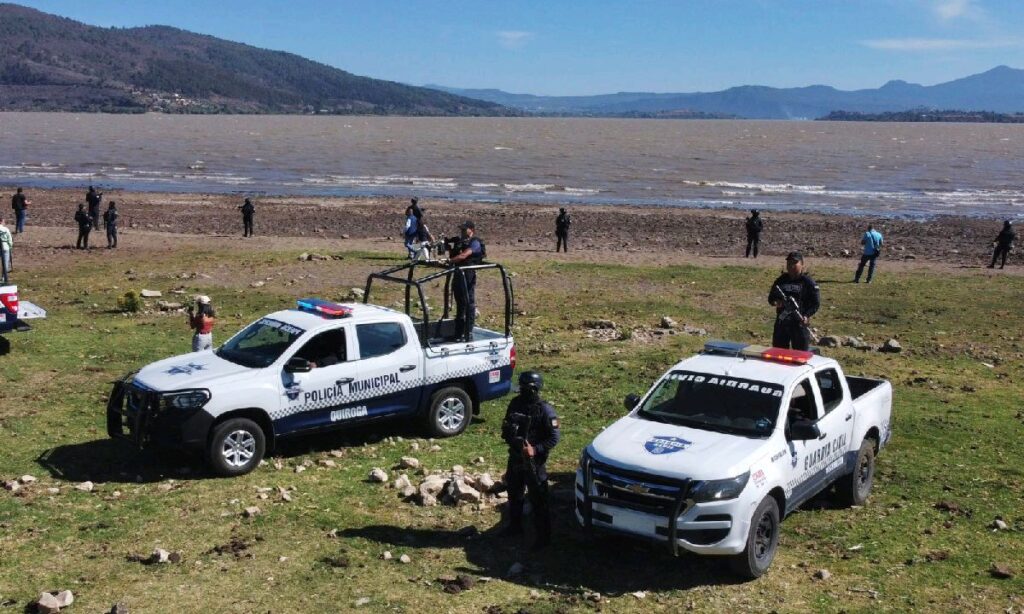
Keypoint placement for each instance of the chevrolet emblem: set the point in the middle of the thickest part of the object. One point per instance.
(638, 489)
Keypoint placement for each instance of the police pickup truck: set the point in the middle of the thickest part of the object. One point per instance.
(14, 312)
(318, 366)
(727, 443)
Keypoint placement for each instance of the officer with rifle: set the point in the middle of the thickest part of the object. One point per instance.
(531, 430)
(795, 297)
(469, 250)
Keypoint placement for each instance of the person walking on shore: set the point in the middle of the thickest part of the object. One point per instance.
(20, 205)
(1003, 244)
(562, 223)
(6, 248)
(93, 200)
(754, 225)
(200, 320)
(411, 232)
(872, 242)
(796, 298)
(247, 212)
(110, 222)
(84, 221)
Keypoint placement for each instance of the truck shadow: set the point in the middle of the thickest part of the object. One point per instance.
(574, 564)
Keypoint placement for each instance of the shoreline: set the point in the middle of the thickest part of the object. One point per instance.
(659, 232)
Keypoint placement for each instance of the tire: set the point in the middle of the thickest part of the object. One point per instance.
(450, 411)
(236, 447)
(762, 541)
(854, 489)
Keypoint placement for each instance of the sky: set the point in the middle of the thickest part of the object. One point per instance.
(558, 47)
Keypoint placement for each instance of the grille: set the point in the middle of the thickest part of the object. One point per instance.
(636, 490)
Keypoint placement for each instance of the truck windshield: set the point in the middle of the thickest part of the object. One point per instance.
(715, 403)
(260, 343)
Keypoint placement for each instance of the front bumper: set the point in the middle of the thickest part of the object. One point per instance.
(658, 509)
(133, 413)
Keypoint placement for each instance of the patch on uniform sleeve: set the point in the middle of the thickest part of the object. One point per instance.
(554, 423)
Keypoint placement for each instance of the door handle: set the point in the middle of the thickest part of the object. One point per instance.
(407, 368)
(849, 417)
(344, 380)
(822, 436)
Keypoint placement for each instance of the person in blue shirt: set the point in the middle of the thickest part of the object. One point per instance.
(411, 232)
(872, 242)
(469, 251)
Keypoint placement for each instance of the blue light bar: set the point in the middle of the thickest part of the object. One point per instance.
(725, 348)
(324, 308)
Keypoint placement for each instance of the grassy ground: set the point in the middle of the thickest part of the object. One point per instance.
(958, 438)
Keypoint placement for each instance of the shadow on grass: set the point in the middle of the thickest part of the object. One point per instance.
(111, 460)
(574, 563)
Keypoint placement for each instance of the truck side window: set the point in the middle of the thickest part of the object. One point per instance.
(379, 339)
(325, 349)
(802, 405)
(831, 388)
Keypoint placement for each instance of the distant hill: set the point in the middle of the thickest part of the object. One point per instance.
(928, 115)
(999, 90)
(50, 63)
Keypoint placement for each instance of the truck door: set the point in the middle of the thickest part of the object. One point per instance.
(322, 396)
(835, 423)
(802, 406)
(390, 368)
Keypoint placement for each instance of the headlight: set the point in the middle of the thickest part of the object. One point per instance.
(184, 399)
(584, 457)
(719, 490)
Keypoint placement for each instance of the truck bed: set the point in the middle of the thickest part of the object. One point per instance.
(443, 332)
(859, 386)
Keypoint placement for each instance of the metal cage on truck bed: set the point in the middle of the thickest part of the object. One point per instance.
(440, 330)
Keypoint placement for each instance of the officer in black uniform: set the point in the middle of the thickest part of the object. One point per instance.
(562, 224)
(1003, 244)
(247, 212)
(110, 221)
(468, 251)
(531, 430)
(792, 321)
(93, 200)
(84, 221)
(754, 225)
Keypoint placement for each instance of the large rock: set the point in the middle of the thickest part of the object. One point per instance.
(408, 462)
(891, 346)
(151, 294)
(667, 322)
(460, 491)
(856, 343)
(168, 306)
(605, 324)
(47, 603)
(86, 486)
(433, 484)
(485, 482)
(356, 294)
(378, 475)
(829, 342)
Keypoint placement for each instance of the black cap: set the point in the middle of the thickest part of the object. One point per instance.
(467, 225)
(531, 380)
(414, 200)
(754, 211)
(795, 257)
(1009, 222)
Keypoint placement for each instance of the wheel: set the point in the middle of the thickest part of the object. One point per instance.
(853, 489)
(236, 447)
(451, 409)
(762, 541)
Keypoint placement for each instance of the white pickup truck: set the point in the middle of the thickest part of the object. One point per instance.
(727, 443)
(316, 367)
(14, 312)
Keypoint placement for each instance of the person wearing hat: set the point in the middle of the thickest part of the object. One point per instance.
(468, 251)
(200, 320)
(247, 212)
(531, 430)
(754, 227)
(872, 242)
(792, 322)
(562, 223)
(1003, 244)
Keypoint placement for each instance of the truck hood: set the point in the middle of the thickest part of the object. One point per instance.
(675, 451)
(193, 370)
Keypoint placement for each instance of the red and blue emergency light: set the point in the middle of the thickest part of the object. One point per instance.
(324, 308)
(782, 355)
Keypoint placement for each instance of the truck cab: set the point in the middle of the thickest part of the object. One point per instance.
(726, 443)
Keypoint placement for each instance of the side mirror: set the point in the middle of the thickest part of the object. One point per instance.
(804, 430)
(297, 365)
(631, 401)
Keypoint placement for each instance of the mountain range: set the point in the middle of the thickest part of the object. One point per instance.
(51, 63)
(1000, 90)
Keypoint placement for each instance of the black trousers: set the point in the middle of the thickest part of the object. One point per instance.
(791, 334)
(521, 482)
(753, 241)
(1003, 251)
(111, 235)
(562, 243)
(860, 267)
(95, 213)
(83, 237)
(464, 288)
(247, 223)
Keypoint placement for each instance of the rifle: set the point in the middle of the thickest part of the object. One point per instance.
(517, 428)
(793, 308)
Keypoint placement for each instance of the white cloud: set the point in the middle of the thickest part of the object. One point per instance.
(513, 39)
(939, 44)
(948, 10)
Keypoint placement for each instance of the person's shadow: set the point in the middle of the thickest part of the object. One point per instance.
(576, 562)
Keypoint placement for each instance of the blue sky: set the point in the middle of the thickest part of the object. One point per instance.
(602, 46)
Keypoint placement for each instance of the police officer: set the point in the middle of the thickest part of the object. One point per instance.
(754, 226)
(562, 223)
(93, 199)
(792, 321)
(247, 212)
(468, 251)
(531, 430)
(110, 221)
(84, 221)
(1003, 244)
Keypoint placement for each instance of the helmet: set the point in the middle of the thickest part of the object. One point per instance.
(531, 380)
